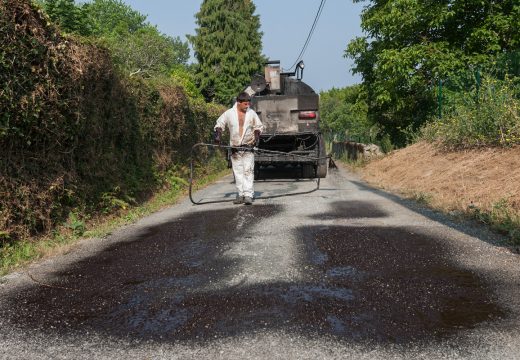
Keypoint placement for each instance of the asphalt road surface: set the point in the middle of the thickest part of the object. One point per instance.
(344, 272)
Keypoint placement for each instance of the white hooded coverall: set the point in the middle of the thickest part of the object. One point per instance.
(242, 162)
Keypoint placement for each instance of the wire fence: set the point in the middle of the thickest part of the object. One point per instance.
(466, 87)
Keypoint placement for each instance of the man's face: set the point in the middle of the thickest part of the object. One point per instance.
(243, 105)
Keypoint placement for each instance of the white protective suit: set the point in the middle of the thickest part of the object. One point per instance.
(243, 162)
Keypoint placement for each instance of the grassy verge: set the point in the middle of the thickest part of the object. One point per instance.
(501, 216)
(353, 165)
(19, 254)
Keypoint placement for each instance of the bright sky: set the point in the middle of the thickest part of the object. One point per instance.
(285, 26)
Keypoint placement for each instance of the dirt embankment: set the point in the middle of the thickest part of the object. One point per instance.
(452, 181)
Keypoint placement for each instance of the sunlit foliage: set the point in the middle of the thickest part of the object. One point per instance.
(227, 46)
(410, 44)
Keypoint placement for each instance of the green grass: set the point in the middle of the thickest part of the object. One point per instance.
(18, 253)
(487, 117)
(502, 218)
(422, 198)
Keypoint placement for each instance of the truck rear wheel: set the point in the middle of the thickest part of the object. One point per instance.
(321, 170)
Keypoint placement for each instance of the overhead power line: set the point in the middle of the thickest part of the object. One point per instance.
(316, 18)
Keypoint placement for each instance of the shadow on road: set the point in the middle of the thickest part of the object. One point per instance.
(352, 210)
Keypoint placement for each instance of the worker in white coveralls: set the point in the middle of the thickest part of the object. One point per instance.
(245, 128)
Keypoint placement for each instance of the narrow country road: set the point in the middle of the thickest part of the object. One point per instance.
(343, 272)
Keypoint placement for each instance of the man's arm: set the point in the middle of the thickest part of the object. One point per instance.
(258, 127)
(257, 124)
(219, 127)
(221, 121)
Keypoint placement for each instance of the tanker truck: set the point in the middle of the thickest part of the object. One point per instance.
(288, 108)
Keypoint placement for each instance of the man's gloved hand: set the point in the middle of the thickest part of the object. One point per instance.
(257, 138)
(218, 136)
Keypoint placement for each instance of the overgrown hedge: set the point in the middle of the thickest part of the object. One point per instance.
(73, 132)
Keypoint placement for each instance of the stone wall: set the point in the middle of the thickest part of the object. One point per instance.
(355, 151)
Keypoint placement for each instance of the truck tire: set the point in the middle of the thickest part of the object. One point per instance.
(322, 171)
(322, 168)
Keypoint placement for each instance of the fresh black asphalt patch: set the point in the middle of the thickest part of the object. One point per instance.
(380, 284)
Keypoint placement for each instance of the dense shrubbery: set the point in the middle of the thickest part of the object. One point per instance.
(75, 132)
(488, 115)
(343, 114)
(410, 45)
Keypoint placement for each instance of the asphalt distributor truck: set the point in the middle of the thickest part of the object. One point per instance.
(291, 141)
(288, 109)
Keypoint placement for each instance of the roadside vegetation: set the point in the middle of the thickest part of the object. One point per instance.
(16, 254)
(344, 117)
(485, 116)
(228, 48)
(412, 48)
(444, 73)
(98, 113)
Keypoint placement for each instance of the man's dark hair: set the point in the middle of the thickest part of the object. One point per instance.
(243, 96)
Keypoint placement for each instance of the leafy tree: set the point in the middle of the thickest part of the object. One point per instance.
(113, 16)
(147, 51)
(410, 44)
(68, 15)
(137, 47)
(227, 46)
(343, 114)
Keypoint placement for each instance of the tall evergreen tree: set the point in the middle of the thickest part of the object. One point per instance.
(227, 46)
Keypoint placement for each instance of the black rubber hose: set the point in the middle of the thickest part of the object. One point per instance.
(194, 147)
